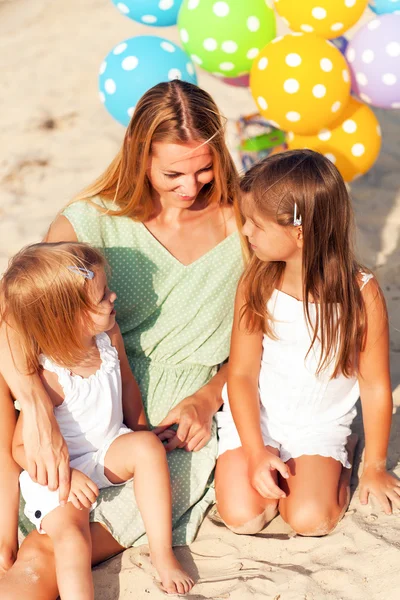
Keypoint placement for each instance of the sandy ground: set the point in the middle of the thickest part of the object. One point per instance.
(56, 137)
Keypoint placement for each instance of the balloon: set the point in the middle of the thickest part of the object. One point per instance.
(352, 142)
(241, 81)
(134, 66)
(224, 37)
(300, 82)
(327, 18)
(341, 43)
(384, 6)
(159, 13)
(374, 58)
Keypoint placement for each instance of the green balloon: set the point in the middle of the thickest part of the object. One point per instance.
(225, 36)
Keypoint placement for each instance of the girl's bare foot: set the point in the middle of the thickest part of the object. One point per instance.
(174, 580)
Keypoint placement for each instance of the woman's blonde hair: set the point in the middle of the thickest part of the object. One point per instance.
(174, 112)
(310, 182)
(46, 301)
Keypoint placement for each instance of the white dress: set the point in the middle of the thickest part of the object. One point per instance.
(90, 419)
(301, 413)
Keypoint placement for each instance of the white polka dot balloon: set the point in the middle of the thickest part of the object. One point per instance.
(300, 82)
(134, 66)
(352, 142)
(374, 58)
(327, 18)
(158, 13)
(225, 36)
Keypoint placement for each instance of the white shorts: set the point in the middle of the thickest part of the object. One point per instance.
(292, 440)
(40, 501)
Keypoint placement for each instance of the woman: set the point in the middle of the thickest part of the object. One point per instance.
(164, 215)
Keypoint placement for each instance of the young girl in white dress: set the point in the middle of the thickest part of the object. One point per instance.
(56, 297)
(310, 335)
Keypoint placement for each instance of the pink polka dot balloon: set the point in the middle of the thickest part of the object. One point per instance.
(374, 58)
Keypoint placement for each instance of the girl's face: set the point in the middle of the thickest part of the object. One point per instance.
(103, 319)
(270, 241)
(178, 172)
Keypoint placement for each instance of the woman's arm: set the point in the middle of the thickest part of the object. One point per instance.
(132, 405)
(377, 403)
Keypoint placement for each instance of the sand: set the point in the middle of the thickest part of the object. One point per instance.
(57, 137)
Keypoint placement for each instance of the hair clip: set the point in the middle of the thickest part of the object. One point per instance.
(296, 219)
(86, 273)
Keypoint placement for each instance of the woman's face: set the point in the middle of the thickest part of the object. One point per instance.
(178, 172)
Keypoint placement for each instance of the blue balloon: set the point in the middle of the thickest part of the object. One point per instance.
(340, 43)
(134, 66)
(159, 13)
(381, 7)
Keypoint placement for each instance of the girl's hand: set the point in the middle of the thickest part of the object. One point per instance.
(261, 466)
(83, 491)
(383, 486)
(193, 415)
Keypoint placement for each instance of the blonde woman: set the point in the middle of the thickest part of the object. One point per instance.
(163, 214)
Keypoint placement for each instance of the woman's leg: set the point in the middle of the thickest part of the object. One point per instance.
(9, 489)
(318, 493)
(33, 575)
(242, 509)
(142, 455)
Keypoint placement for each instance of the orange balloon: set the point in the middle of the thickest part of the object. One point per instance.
(352, 142)
(300, 82)
(326, 18)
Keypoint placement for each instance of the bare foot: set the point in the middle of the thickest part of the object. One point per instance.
(174, 580)
(7, 559)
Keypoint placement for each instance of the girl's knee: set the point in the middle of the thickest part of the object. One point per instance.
(248, 522)
(312, 519)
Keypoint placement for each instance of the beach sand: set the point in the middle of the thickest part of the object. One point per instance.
(56, 138)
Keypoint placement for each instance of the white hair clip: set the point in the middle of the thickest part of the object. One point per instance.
(296, 219)
(86, 273)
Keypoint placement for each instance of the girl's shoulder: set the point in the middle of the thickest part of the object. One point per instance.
(364, 277)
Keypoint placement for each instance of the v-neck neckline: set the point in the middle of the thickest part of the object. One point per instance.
(176, 260)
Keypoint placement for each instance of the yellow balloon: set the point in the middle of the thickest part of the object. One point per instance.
(300, 82)
(327, 18)
(352, 142)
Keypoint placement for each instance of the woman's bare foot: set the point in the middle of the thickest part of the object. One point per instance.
(174, 580)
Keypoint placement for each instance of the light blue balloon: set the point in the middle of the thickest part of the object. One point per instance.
(381, 7)
(159, 13)
(134, 66)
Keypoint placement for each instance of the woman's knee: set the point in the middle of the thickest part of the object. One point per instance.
(311, 519)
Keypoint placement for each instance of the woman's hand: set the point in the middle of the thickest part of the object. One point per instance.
(383, 486)
(261, 468)
(83, 491)
(193, 415)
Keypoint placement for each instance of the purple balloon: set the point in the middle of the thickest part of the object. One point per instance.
(341, 43)
(374, 59)
(240, 81)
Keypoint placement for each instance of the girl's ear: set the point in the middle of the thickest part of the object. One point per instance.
(299, 236)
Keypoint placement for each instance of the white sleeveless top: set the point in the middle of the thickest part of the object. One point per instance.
(289, 387)
(91, 414)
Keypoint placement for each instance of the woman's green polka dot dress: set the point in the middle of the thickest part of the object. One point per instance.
(176, 322)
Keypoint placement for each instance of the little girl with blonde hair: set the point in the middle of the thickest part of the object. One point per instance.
(57, 299)
(310, 335)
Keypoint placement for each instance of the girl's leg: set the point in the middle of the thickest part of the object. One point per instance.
(68, 529)
(33, 575)
(142, 455)
(318, 493)
(242, 509)
(9, 488)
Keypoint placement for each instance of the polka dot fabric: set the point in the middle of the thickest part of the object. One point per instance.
(327, 18)
(352, 142)
(158, 13)
(134, 66)
(176, 322)
(300, 83)
(374, 58)
(224, 37)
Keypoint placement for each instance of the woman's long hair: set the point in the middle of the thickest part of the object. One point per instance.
(45, 298)
(175, 112)
(331, 274)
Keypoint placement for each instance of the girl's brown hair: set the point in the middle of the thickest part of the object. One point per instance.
(45, 301)
(172, 112)
(331, 274)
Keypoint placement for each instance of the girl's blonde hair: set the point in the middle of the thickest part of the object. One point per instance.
(331, 274)
(46, 301)
(174, 112)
